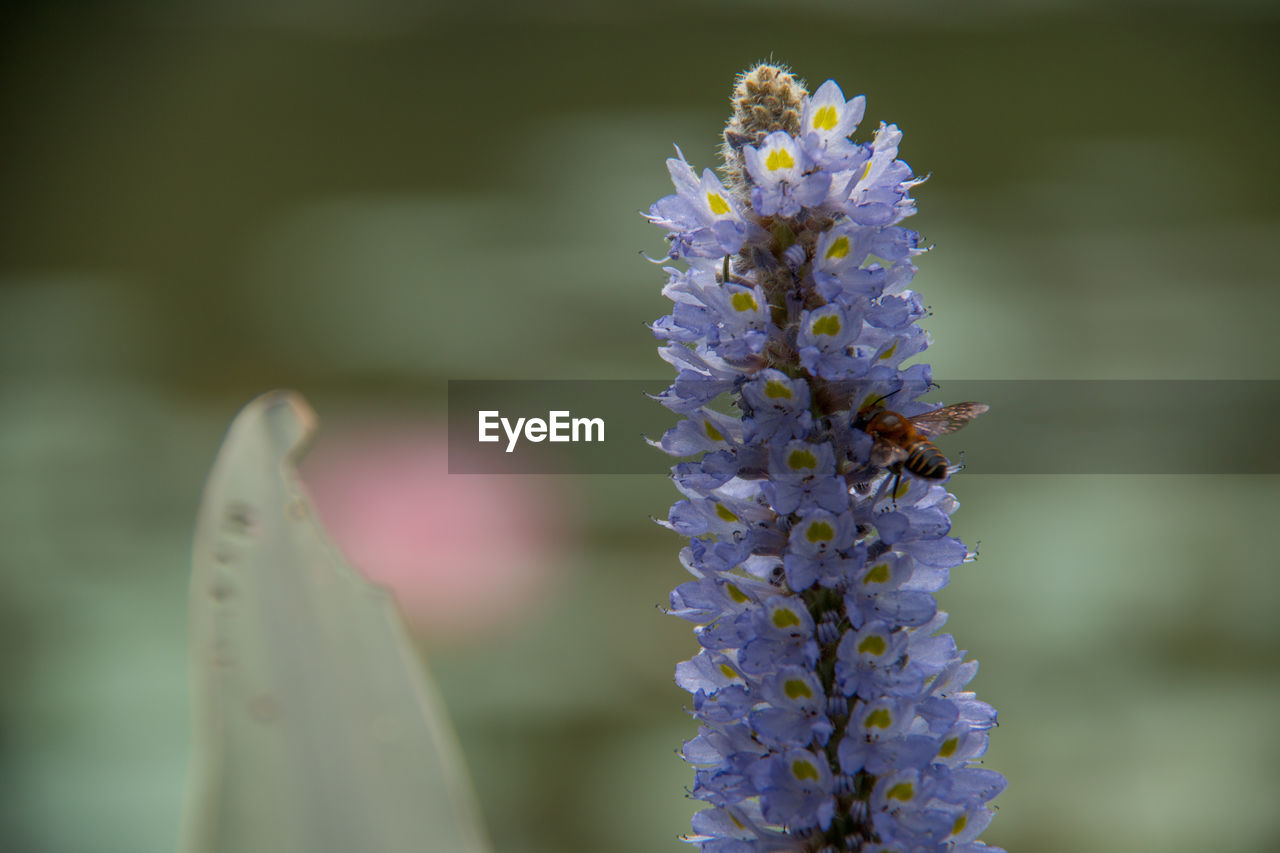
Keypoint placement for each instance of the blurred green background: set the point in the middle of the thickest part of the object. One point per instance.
(361, 200)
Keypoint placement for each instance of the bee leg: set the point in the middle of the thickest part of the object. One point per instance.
(952, 469)
(897, 480)
(857, 485)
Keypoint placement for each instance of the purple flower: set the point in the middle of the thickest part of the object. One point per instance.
(703, 218)
(785, 178)
(828, 122)
(832, 714)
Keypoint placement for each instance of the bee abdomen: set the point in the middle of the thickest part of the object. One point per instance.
(927, 461)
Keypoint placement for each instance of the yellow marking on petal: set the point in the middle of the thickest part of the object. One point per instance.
(959, 825)
(745, 302)
(827, 324)
(820, 531)
(839, 249)
(873, 644)
(878, 719)
(902, 791)
(779, 158)
(725, 513)
(784, 618)
(870, 398)
(712, 432)
(728, 671)
(949, 747)
(879, 574)
(735, 594)
(866, 170)
(825, 118)
(796, 687)
(889, 352)
(736, 822)
(801, 459)
(718, 205)
(776, 390)
(802, 769)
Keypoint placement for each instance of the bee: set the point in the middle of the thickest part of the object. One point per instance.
(903, 443)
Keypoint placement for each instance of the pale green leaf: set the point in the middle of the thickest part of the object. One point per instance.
(317, 729)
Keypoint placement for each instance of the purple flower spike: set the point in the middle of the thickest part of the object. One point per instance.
(832, 714)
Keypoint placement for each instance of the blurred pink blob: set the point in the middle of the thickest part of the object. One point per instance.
(465, 554)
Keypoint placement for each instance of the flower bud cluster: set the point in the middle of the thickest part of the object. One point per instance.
(832, 714)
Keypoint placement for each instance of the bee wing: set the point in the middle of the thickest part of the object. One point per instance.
(948, 418)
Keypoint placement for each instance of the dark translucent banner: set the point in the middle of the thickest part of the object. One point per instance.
(1033, 427)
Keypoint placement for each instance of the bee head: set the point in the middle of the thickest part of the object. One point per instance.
(869, 409)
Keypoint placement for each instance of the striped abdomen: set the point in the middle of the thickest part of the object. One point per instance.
(925, 460)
